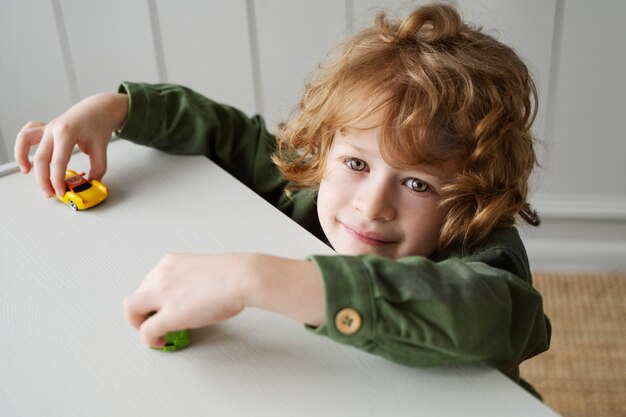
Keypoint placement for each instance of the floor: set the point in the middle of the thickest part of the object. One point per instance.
(584, 372)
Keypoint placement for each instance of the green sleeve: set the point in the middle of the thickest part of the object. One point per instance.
(178, 120)
(420, 312)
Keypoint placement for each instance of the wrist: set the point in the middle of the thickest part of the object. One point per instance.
(289, 287)
(251, 283)
(120, 110)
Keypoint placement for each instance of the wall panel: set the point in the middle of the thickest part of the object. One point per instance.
(4, 149)
(583, 196)
(257, 54)
(32, 74)
(528, 27)
(207, 48)
(293, 37)
(588, 147)
(109, 41)
(366, 10)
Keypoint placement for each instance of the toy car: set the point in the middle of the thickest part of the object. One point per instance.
(81, 194)
(175, 340)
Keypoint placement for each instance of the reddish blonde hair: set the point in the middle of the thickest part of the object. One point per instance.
(441, 90)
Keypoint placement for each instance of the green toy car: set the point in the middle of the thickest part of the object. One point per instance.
(175, 341)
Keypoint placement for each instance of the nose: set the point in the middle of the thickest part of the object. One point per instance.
(374, 200)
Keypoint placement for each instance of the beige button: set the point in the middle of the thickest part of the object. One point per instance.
(348, 321)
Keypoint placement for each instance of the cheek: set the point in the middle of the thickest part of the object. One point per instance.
(332, 191)
(325, 203)
(425, 225)
(332, 197)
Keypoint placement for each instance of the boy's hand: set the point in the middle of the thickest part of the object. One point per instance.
(192, 291)
(186, 292)
(88, 124)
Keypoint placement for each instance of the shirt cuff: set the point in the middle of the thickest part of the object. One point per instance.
(144, 105)
(350, 312)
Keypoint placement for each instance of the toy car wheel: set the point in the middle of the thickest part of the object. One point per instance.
(73, 206)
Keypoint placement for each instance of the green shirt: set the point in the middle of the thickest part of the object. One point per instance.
(451, 308)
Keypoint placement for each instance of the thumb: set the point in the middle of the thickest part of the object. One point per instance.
(97, 162)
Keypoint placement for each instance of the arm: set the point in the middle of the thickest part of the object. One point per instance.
(192, 291)
(178, 120)
(413, 311)
(168, 117)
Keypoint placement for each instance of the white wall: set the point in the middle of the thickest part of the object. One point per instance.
(256, 54)
(578, 52)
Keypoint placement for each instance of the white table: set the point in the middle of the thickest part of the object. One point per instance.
(66, 349)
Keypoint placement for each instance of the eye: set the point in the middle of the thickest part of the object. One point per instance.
(356, 164)
(417, 185)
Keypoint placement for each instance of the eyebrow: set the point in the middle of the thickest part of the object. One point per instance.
(351, 145)
(428, 171)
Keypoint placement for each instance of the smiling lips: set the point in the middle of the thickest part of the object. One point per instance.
(369, 238)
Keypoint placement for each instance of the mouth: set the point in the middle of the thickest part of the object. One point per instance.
(367, 237)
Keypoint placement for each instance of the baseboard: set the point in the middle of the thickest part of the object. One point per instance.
(578, 234)
(584, 207)
(8, 168)
(583, 256)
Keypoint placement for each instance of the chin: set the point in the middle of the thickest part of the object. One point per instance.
(355, 250)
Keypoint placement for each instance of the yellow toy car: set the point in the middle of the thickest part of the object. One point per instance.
(81, 194)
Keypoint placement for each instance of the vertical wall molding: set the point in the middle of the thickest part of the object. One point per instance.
(350, 17)
(70, 71)
(255, 57)
(157, 41)
(557, 40)
(4, 148)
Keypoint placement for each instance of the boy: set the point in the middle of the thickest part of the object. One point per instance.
(409, 154)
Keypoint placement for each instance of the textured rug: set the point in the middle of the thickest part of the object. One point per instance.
(584, 372)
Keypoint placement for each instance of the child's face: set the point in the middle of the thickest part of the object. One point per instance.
(366, 206)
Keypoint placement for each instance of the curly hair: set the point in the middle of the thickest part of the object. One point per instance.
(440, 90)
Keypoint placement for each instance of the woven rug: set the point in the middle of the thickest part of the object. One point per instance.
(584, 372)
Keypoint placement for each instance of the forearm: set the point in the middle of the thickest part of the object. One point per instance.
(178, 120)
(292, 288)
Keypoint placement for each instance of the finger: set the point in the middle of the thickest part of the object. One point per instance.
(28, 136)
(97, 162)
(42, 158)
(62, 152)
(153, 330)
(138, 306)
